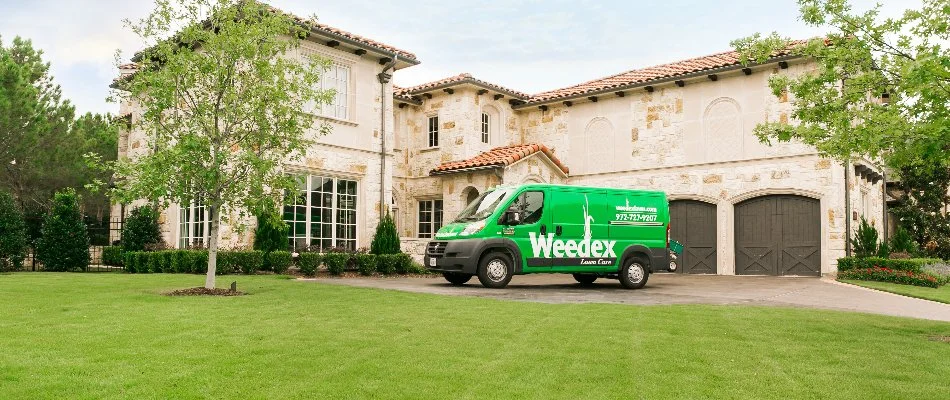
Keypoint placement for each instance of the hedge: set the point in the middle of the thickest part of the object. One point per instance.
(309, 262)
(336, 262)
(112, 256)
(279, 261)
(365, 263)
(891, 275)
(905, 264)
(191, 261)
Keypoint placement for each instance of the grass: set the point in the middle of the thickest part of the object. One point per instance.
(112, 336)
(941, 294)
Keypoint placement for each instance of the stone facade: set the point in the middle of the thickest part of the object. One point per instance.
(692, 138)
(694, 141)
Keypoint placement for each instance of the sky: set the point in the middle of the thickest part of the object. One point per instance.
(528, 45)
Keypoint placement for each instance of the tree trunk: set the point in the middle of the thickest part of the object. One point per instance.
(212, 247)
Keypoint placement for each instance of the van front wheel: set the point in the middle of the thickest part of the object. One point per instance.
(634, 274)
(495, 270)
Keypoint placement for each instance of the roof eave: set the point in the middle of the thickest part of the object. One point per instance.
(469, 81)
(656, 81)
(468, 169)
(407, 62)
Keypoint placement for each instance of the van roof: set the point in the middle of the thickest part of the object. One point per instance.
(575, 187)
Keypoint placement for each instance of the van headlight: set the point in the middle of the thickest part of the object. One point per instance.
(473, 228)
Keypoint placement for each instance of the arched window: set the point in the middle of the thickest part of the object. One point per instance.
(600, 148)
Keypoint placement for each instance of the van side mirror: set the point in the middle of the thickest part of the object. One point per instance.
(512, 218)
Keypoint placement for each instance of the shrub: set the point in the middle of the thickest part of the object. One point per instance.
(336, 262)
(279, 261)
(308, 263)
(64, 245)
(13, 243)
(864, 241)
(386, 239)
(142, 263)
(902, 242)
(112, 255)
(271, 232)
(365, 263)
(908, 264)
(141, 229)
(250, 262)
(386, 263)
(883, 250)
(403, 263)
(890, 275)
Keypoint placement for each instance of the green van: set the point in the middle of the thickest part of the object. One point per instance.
(539, 228)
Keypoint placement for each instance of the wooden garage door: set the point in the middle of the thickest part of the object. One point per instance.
(778, 235)
(693, 223)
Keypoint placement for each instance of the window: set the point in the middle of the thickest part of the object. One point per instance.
(322, 215)
(337, 78)
(434, 131)
(486, 123)
(430, 217)
(530, 205)
(193, 225)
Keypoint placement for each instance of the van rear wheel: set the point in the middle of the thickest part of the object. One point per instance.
(495, 270)
(585, 279)
(634, 274)
(456, 278)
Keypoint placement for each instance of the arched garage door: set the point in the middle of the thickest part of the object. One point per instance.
(778, 235)
(693, 223)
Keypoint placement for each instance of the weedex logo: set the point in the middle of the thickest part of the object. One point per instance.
(546, 246)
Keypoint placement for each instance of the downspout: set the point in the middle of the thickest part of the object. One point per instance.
(884, 201)
(383, 80)
(847, 208)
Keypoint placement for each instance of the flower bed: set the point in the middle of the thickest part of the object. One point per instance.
(882, 274)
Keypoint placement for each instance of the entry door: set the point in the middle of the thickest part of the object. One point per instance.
(693, 223)
(578, 216)
(536, 221)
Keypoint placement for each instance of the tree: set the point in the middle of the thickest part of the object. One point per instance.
(98, 135)
(64, 244)
(34, 126)
(864, 241)
(141, 229)
(386, 239)
(880, 88)
(12, 234)
(221, 102)
(921, 203)
(271, 232)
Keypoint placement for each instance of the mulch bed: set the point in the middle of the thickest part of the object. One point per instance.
(200, 291)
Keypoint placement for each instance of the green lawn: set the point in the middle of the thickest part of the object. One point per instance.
(100, 336)
(941, 294)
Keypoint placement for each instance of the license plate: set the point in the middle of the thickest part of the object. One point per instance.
(432, 261)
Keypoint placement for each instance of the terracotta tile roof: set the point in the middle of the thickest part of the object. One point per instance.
(657, 72)
(499, 157)
(460, 79)
(400, 94)
(313, 24)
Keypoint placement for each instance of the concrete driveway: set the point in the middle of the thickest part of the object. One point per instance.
(679, 289)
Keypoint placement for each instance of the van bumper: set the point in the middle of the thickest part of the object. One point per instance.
(458, 255)
(660, 260)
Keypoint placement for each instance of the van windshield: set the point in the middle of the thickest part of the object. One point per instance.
(484, 206)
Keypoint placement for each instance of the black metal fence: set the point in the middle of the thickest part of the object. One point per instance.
(101, 233)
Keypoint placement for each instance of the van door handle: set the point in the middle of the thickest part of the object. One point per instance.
(544, 229)
(557, 230)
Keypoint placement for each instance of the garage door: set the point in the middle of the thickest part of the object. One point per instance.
(778, 235)
(693, 223)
